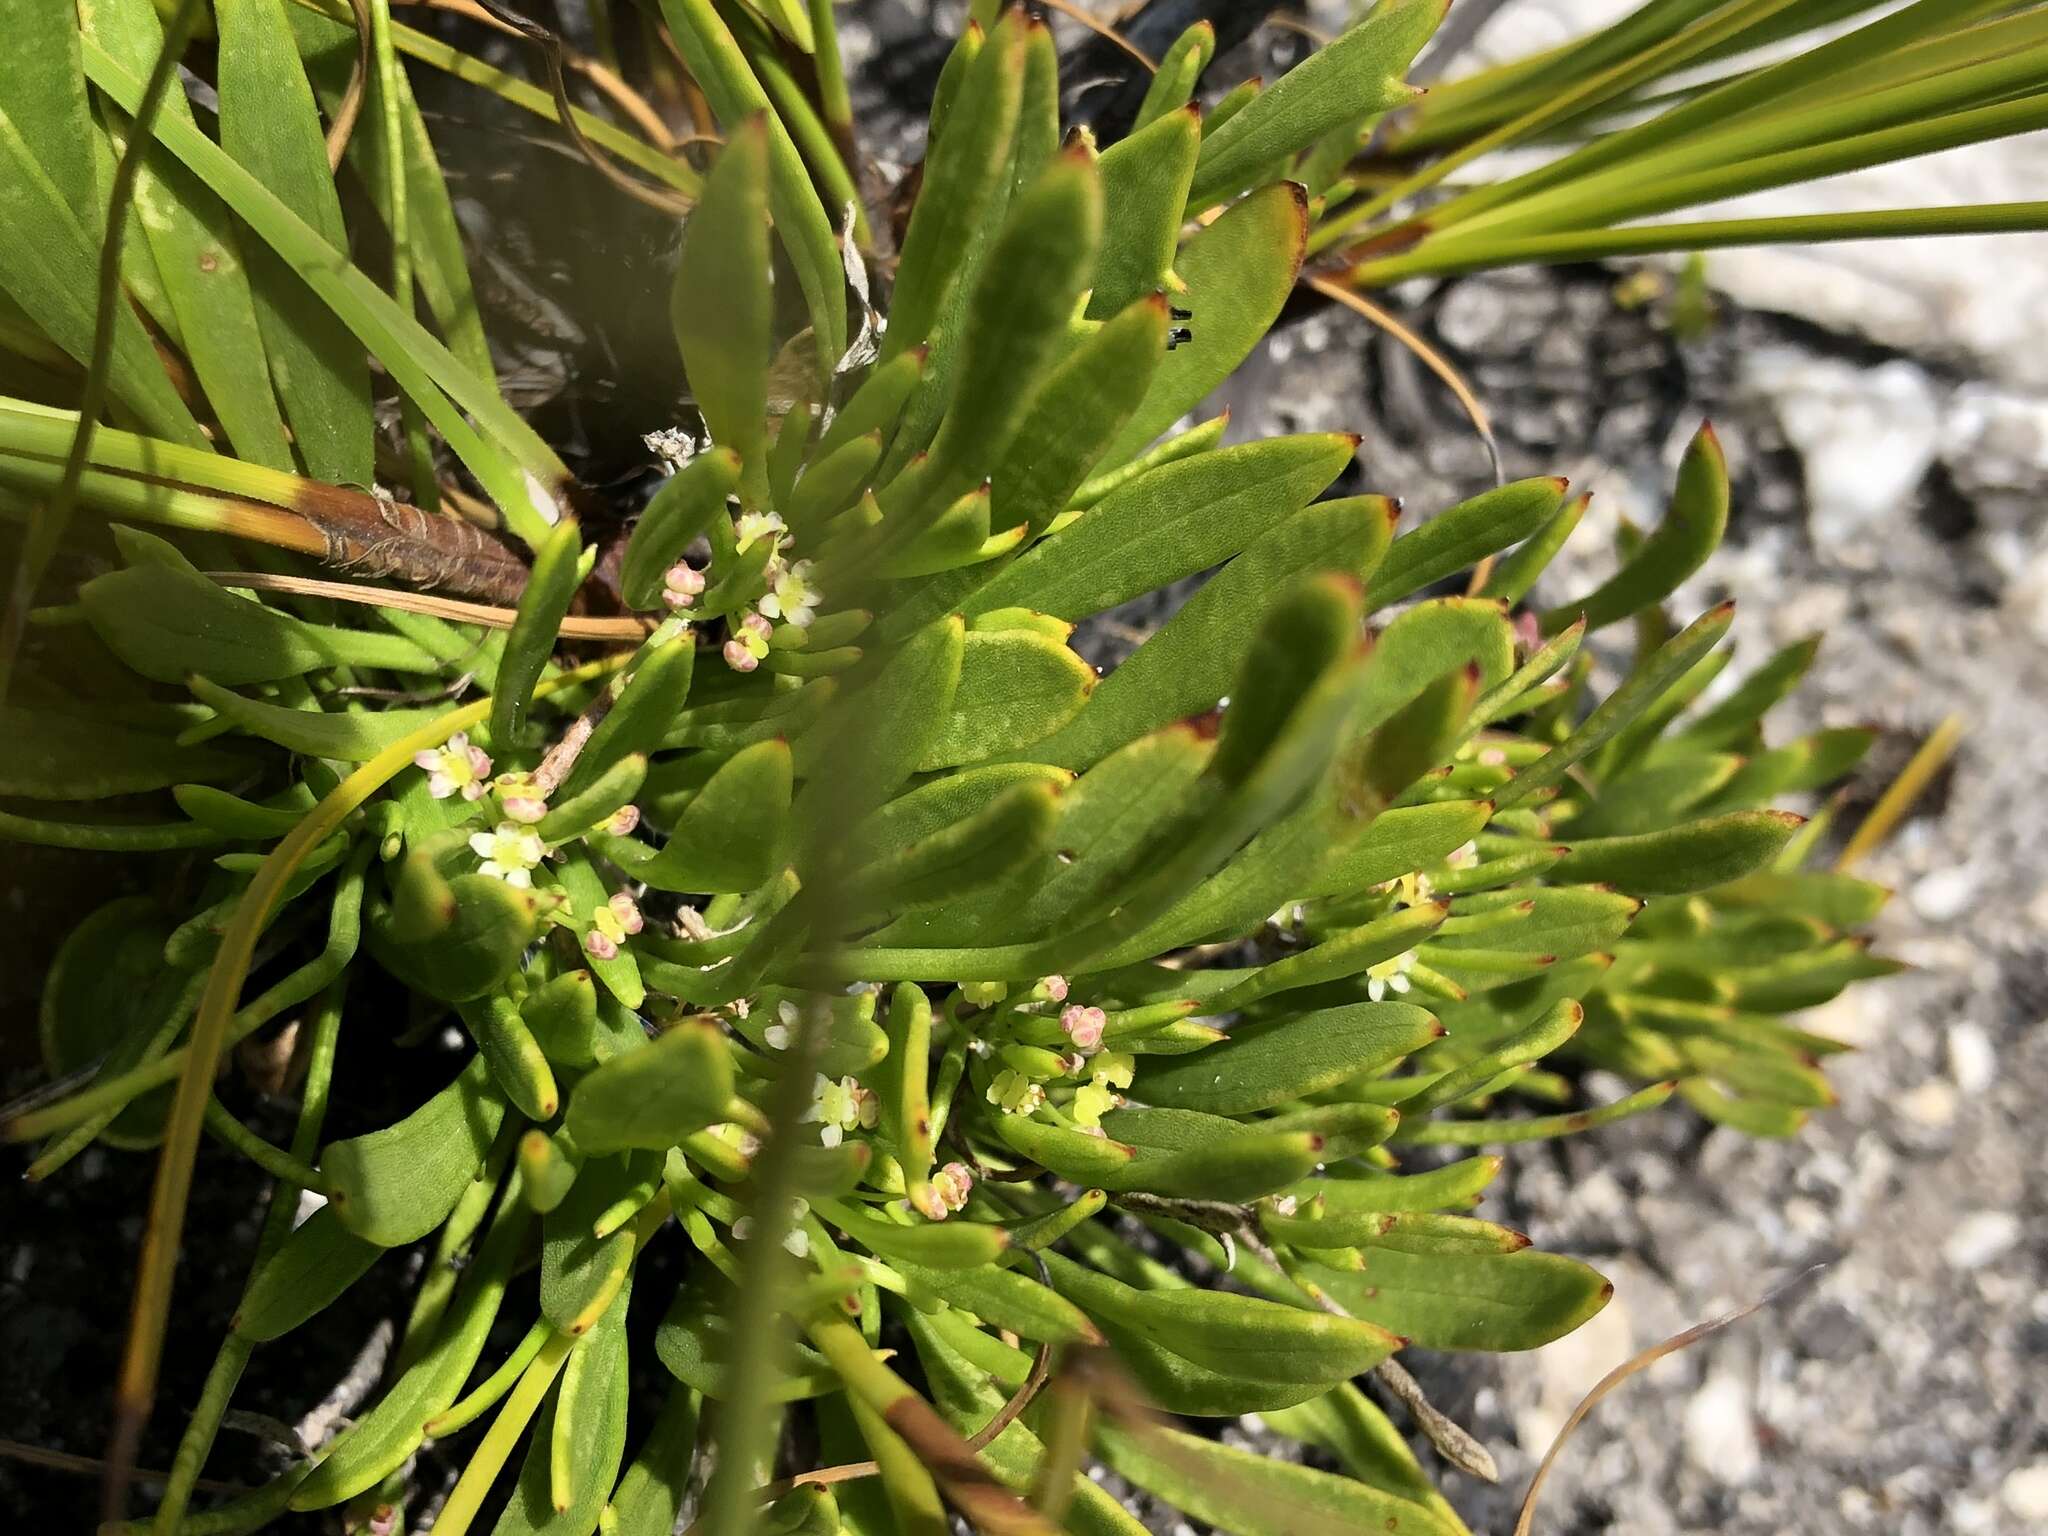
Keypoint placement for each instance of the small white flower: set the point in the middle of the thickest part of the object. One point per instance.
(777, 1037)
(797, 1242)
(457, 768)
(1112, 1069)
(842, 1106)
(791, 597)
(1014, 1093)
(1285, 1205)
(753, 526)
(1389, 976)
(510, 853)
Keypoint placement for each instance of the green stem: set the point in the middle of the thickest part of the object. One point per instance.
(832, 93)
(496, 1446)
(493, 1386)
(1608, 83)
(109, 838)
(284, 1202)
(275, 1161)
(1442, 260)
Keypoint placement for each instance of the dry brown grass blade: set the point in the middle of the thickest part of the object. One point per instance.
(602, 76)
(1104, 30)
(1636, 1363)
(343, 125)
(551, 49)
(92, 1466)
(452, 609)
(1431, 359)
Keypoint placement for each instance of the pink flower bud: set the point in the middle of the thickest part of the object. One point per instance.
(758, 624)
(1083, 1026)
(683, 579)
(1055, 988)
(738, 657)
(600, 945)
(622, 821)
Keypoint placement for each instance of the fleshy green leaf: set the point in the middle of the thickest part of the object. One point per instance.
(396, 1185)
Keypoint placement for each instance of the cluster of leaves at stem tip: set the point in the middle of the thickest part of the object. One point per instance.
(837, 933)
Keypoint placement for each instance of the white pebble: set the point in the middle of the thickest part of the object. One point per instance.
(1720, 1430)
(1979, 1238)
(1932, 1104)
(1945, 895)
(2025, 1491)
(1971, 1060)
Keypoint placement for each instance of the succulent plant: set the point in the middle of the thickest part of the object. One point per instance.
(835, 924)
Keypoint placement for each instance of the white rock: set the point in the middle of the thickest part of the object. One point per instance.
(1971, 1060)
(1980, 1238)
(1720, 1430)
(2025, 1491)
(1867, 437)
(1946, 894)
(1932, 1104)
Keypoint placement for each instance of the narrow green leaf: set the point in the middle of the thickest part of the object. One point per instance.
(960, 177)
(1469, 1300)
(721, 306)
(379, 1441)
(1356, 76)
(42, 273)
(1262, 1064)
(1690, 531)
(56, 756)
(680, 510)
(1467, 533)
(268, 122)
(645, 710)
(987, 846)
(1690, 857)
(542, 607)
(1650, 682)
(719, 67)
(581, 1272)
(1145, 180)
(1238, 273)
(1229, 1333)
(1076, 412)
(517, 1064)
(1180, 68)
(1179, 519)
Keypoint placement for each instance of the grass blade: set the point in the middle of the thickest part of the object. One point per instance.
(268, 122)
